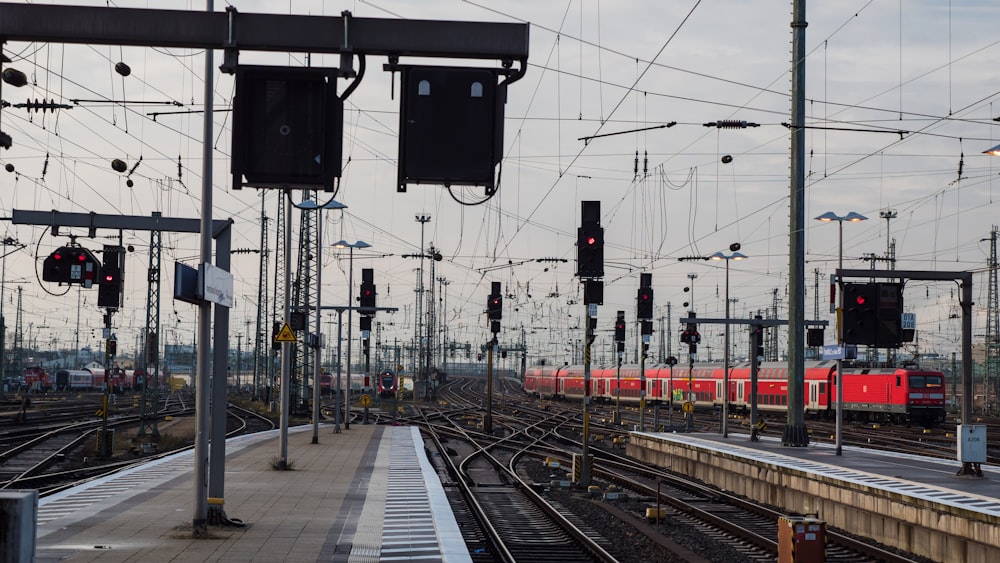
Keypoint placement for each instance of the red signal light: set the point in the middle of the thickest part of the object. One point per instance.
(591, 241)
(860, 300)
(56, 256)
(81, 257)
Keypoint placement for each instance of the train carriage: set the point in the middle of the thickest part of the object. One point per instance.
(74, 380)
(891, 394)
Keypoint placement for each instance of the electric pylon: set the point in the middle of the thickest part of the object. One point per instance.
(992, 385)
(151, 342)
(259, 348)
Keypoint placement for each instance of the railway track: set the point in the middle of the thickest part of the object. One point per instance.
(527, 435)
(29, 464)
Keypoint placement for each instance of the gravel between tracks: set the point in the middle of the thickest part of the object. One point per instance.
(680, 542)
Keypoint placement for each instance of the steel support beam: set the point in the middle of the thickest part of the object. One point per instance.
(262, 32)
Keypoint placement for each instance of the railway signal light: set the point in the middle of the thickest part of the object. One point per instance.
(757, 340)
(111, 347)
(620, 327)
(890, 315)
(644, 297)
(691, 336)
(644, 303)
(494, 303)
(860, 317)
(367, 298)
(109, 291)
(494, 307)
(590, 242)
(71, 264)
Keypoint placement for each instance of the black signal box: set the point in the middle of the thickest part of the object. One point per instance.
(288, 126)
(450, 126)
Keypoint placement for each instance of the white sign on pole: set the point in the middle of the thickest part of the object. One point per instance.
(216, 285)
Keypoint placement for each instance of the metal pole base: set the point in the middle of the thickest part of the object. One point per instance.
(795, 436)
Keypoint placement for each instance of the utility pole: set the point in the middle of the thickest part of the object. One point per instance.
(423, 219)
(444, 322)
(795, 433)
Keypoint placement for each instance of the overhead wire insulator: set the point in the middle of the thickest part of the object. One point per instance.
(43, 105)
(731, 124)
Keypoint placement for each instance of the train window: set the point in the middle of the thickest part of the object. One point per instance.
(822, 387)
(897, 381)
(917, 381)
(934, 381)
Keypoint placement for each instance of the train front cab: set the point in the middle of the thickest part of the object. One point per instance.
(925, 396)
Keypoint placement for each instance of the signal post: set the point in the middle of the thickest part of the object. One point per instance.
(590, 269)
(644, 316)
(494, 313)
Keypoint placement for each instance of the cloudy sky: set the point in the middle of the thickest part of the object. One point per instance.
(900, 104)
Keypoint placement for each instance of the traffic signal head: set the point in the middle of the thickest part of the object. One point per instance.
(644, 303)
(111, 347)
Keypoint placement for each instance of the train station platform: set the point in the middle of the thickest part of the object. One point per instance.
(364, 495)
(914, 503)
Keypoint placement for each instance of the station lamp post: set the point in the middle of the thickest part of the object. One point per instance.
(851, 217)
(317, 371)
(725, 355)
(350, 324)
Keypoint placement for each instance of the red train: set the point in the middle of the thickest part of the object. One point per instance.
(386, 383)
(876, 394)
(121, 380)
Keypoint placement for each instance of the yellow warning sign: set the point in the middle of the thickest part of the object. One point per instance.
(285, 334)
(688, 406)
(366, 401)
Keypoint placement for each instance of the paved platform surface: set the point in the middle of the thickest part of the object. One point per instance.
(926, 477)
(335, 505)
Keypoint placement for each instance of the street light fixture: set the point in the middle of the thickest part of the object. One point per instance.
(317, 371)
(350, 324)
(725, 355)
(851, 217)
(995, 151)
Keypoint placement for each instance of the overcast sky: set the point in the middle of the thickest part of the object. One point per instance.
(900, 104)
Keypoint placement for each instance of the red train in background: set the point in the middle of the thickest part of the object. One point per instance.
(871, 394)
(386, 383)
(36, 378)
